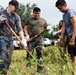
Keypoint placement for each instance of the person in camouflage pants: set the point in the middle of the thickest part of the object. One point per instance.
(34, 26)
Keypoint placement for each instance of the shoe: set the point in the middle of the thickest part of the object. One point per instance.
(28, 64)
(41, 69)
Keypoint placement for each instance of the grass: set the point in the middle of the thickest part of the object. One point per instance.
(54, 61)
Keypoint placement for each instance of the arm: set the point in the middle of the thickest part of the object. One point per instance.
(26, 30)
(72, 39)
(73, 21)
(62, 39)
(19, 26)
(21, 34)
(20, 30)
(59, 31)
(63, 30)
(56, 32)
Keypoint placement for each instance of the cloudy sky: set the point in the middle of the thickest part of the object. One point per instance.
(48, 9)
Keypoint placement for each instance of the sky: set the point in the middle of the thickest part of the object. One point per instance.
(48, 10)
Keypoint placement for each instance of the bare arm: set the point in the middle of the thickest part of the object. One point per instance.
(59, 31)
(21, 34)
(63, 30)
(73, 21)
(26, 30)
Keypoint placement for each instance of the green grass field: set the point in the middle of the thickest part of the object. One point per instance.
(56, 63)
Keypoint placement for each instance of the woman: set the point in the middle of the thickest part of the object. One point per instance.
(59, 29)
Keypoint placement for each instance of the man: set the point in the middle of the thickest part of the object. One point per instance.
(6, 36)
(69, 26)
(34, 26)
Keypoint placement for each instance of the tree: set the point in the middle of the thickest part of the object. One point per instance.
(25, 11)
(50, 35)
(1, 7)
(47, 35)
(55, 28)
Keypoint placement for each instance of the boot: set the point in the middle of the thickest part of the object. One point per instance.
(41, 69)
(28, 64)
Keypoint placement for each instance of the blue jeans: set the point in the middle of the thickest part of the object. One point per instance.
(6, 50)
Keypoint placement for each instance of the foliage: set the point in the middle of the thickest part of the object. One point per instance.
(47, 35)
(55, 63)
(55, 28)
(50, 35)
(25, 11)
(1, 7)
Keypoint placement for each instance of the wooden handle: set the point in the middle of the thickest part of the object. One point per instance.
(14, 33)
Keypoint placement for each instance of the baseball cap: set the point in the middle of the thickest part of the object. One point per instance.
(14, 3)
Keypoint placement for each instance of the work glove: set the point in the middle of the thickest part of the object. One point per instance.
(48, 27)
(72, 42)
(27, 37)
(54, 33)
(61, 42)
(2, 18)
(24, 42)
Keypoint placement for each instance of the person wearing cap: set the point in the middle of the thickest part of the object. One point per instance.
(6, 37)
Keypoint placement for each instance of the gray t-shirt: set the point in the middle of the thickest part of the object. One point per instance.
(13, 20)
(66, 19)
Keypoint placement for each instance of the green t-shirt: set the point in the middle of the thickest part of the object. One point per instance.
(36, 26)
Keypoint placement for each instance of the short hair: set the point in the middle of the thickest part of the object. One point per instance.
(37, 9)
(60, 3)
(14, 3)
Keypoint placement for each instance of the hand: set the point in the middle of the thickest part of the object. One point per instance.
(61, 42)
(48, 27)
(2, 18)
(72, 42)
(24, 42)
(27, 37)
(54, 33)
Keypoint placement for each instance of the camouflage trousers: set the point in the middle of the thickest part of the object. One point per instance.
(6, 51)
(38, 46)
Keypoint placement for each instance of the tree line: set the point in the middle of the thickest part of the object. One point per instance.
(25, 11)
